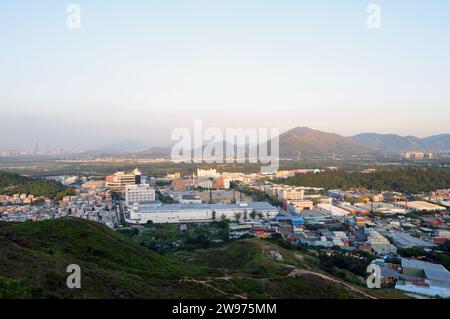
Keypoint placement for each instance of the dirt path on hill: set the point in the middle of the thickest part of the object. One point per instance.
(297, 271)
(205, 283)
(294, 273)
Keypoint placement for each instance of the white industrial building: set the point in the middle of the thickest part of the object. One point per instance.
(381, 207)
(420, 205)
(332, 210)
(182, 213)
(138, 193)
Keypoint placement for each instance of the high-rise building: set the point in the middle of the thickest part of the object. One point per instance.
(119, 180)
(138, 193)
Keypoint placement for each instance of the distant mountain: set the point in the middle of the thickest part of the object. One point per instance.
(155, 152)
(391, 142)
(396, 143)
(124, 146)
(296, 143)
(305, 142)
(302, 142)
(437, 143)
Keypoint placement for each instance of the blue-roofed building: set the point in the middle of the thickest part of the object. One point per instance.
(294, 220)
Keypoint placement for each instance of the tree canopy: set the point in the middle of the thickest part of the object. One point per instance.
(405, 180)
(11, 183)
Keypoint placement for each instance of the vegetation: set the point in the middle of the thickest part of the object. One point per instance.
(405, 180)
(11, 184)
(345, 266)
(34, 257)
(165, 199)
(439, 255)
(169, 238)
(14, 288)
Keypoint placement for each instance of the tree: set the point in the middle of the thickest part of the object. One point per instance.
(237, 217)
(405, 180)
(253, 214)
(214, 215)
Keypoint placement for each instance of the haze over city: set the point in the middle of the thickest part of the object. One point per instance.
(136, 70)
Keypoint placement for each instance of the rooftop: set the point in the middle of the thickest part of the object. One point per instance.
(176, 206)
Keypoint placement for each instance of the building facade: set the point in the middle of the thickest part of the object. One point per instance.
(119, 180)
(139, 193)
(185, 213)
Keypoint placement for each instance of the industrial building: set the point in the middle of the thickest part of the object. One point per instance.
(157, 212)
(381, 207)
(419, 205)
(332, 210)
(296, 206)
(405, 240)
(424, 278)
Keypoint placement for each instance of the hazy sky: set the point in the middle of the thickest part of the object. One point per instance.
(139, 69)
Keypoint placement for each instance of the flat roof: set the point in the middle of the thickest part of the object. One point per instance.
(421, 205)
(177, 206)
(406, 240)
(436, 273)
(446, 203)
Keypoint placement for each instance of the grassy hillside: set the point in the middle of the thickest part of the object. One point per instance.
(305, 142)
(34, 257)
(37, 254)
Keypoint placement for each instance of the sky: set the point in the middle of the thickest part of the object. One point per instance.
(136, 70)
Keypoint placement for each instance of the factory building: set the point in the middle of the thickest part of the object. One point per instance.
(157, 212)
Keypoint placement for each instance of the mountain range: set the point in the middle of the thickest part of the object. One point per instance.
(397, 143)
(304, 142)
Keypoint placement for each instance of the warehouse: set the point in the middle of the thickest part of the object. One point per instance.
(157, 212)
(405, 240)
(424, 278)
(419, 205)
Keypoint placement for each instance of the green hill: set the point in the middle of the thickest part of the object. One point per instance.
(303, 142)
(34, 257)
(11, 183)
(37, 255)
(404, 179)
